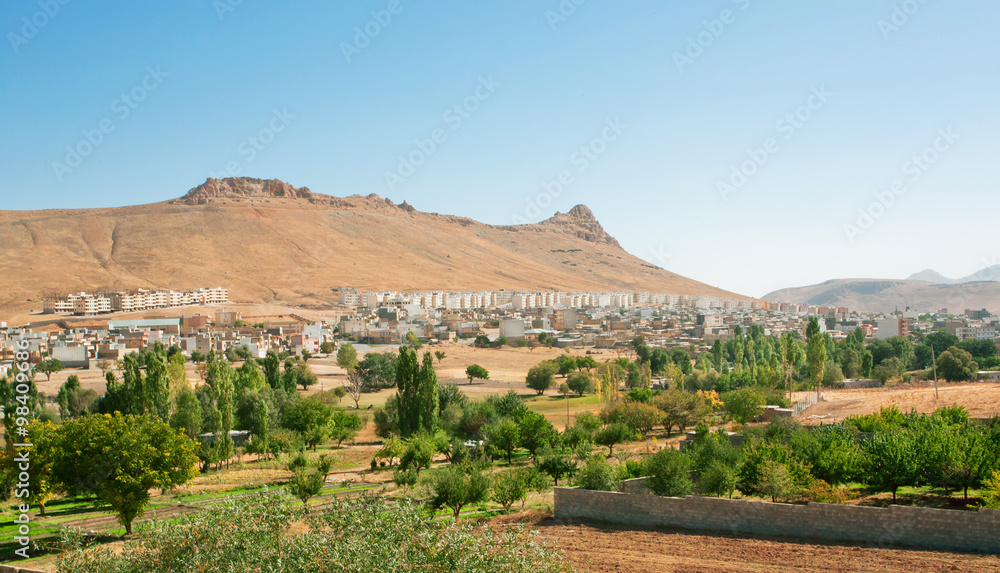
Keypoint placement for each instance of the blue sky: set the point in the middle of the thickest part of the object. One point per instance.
(739, 142)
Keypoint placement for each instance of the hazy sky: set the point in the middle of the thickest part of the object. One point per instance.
(729, 140)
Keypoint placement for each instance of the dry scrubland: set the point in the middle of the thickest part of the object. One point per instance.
(982, 400)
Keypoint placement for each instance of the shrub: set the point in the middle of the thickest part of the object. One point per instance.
(668, 473)
(597, 474)
(822, 492)
(298, 463)
(719, 479)
(255, 533)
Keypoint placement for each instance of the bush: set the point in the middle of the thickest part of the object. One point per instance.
(407, 478)
(719, 479)
(668, 473)
(596, 474)
(255, 533)
(298, 463)
(822, 492)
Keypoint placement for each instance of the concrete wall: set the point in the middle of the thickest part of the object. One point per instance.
(895, 525)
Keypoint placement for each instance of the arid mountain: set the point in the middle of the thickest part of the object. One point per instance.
(876, 295)
(990, 273)
(268, 241)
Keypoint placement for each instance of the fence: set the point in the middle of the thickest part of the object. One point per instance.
(895, 525)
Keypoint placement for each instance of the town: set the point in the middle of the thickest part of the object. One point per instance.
(600, 320)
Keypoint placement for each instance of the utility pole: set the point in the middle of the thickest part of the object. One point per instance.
(934, 360)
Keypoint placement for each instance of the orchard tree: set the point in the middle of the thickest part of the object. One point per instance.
(891, 461)
(509, 487)
(120, 459)
(439, 354)
(581, 382)
(541, 377)
(476, 371)
(611, 435)
(503, 437)
(304, 486)
(456, 488)
(308, 418)
(668, 473)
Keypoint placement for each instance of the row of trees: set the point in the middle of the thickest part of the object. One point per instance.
(883, 452)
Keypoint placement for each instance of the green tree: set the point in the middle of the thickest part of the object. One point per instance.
(509, 487)
(815, 351)
(596, 474)
(75, 401)
(581, 383)
(744, 404)
(476, 371)
(187, 414)
(503, 437)
(120, 459)
(308, 418)
(344, 426)
(535, 432)
(456, 488)
(347, 356)
(272, 369)
(555, 463)
(956, 365)
(668, 473)
(305, 485)
(541, 377)
(611, 435)
(418, 454)
(890, 461)
(440, 355)
(49, 366)
(304, 376)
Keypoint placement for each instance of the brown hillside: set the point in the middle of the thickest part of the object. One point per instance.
(270, 242)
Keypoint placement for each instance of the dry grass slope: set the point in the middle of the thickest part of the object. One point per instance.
(270, 242)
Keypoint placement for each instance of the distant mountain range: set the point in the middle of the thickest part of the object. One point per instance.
(925, 291)
(988, 274)
(267, 241)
